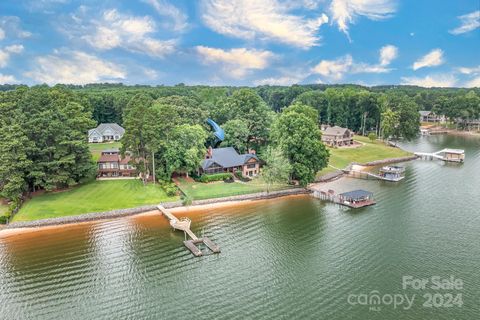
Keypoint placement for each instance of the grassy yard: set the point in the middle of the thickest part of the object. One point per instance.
(370, 151)
(198, 190)
(92, 197)
(96, 148)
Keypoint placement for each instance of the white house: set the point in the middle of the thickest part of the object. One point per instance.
(105, 132)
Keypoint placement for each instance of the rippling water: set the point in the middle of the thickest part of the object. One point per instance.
(291, 258)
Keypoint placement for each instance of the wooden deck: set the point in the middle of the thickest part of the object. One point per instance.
(183, 224)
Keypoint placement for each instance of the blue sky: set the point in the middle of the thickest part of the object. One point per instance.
(241, 42)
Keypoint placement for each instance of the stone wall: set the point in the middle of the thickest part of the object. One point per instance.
(133, 211)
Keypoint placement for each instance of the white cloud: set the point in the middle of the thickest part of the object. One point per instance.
(7, 79)
(266, 20)
(150, 73)
(6, 52)
(388, 53)
(431, 59)
(465, 70)
(74, 67)
(278, 81)
(16, 48)
(429, 81)
(474, 83)
(473, 73)
(115, 30)
(469, 22)
(166, 9)
(336, 69)
(237, 62)
(344, 12)
(2, 34)
(4, 56)
(10, 26)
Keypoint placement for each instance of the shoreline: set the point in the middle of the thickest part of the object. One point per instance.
(175, 207)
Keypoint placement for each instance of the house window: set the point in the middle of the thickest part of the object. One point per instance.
(251, 166)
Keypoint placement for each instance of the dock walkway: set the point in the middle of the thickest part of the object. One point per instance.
(183, 224)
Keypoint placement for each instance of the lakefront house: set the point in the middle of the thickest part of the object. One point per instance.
(430, 116)
(112, 164)
(105, 132)
(229, 160)
(337, 136)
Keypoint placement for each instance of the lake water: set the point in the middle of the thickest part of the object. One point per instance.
(294, 258)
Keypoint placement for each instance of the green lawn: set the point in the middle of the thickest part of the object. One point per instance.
(96, 148)
(92, 197)
(198, 190)
(370, 151)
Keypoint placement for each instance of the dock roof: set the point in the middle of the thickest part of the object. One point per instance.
(356, 194)
(457, 151)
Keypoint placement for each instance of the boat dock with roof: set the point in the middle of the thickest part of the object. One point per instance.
(352, 199)
(448, 155)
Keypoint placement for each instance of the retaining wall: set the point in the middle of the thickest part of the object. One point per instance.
(133, 211)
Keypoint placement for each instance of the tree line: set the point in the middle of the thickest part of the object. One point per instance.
(43, 129)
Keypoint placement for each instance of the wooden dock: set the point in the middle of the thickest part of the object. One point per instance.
(447, 155)
(183, 224)
(370, 175)
(356, 171)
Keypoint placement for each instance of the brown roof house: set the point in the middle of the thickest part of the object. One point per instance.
(112, 164)
(228, 160)
(337, 136)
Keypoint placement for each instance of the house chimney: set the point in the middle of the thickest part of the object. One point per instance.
(251, 151)
(209, 153)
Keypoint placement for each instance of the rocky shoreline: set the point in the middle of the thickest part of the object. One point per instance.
(94, 216)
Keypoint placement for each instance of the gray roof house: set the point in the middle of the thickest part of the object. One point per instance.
(337, 136)
(228, 160)
(105, 132)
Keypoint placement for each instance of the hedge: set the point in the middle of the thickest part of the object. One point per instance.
(214, 177)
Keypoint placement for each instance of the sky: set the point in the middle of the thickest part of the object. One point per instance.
(430, 43)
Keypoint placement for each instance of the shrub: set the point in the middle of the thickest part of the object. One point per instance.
(205, 178)
(4, 217)
(169, 188)
(229, 180)
(372, 136)
(241, 177)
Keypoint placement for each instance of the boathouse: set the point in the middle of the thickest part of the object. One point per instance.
(356, 198)
(392, 173)
(453, 155)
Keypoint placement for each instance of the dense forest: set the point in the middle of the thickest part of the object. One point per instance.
(43, 129)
